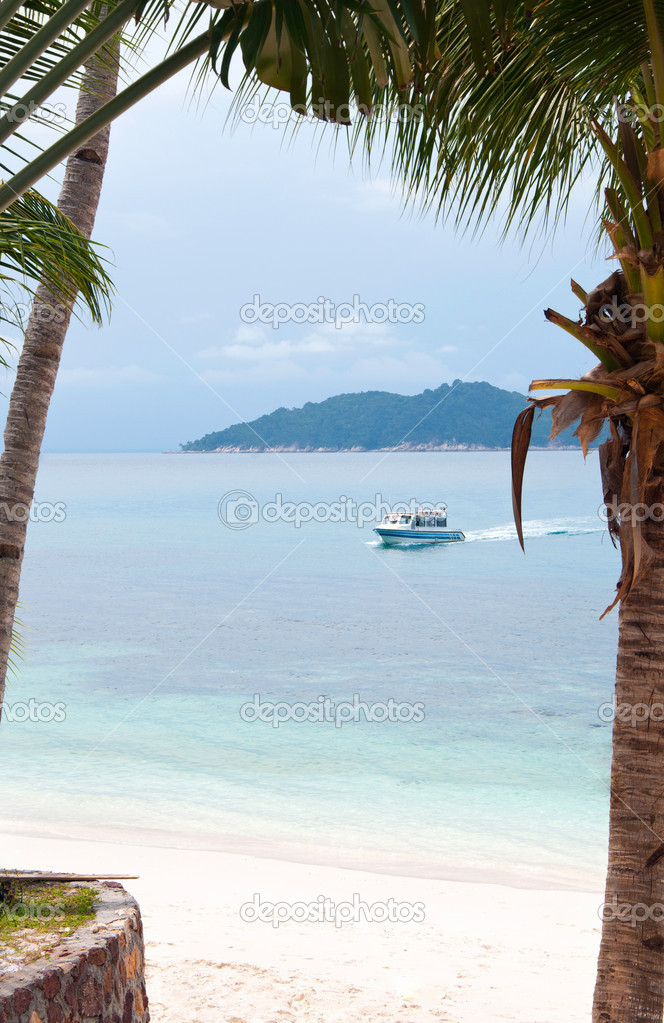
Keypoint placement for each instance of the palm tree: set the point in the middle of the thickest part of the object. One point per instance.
(44, 337)
(524, 100)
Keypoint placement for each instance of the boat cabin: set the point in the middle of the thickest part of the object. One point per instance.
(431, 517)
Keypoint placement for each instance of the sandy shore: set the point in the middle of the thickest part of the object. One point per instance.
(483, 952)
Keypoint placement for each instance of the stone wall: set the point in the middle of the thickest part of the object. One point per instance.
(94, 976)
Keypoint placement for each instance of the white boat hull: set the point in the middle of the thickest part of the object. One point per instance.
(423, 534)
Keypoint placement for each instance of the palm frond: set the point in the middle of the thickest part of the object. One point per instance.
(326, 56)
(512, 130)
(38, 243)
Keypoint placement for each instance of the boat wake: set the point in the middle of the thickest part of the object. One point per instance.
(532, 528)
(537, 527)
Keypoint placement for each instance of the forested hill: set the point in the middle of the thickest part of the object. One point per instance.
(460, 415)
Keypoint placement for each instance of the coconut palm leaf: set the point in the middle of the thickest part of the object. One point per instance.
(325, 55)
(506, 115)
(40, 244)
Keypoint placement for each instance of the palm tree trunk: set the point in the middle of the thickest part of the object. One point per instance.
(42, 349)
(630, 975)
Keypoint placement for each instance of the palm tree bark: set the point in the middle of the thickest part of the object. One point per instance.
(630, 977)
(42, 349)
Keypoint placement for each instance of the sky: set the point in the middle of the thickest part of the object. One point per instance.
(199, 219)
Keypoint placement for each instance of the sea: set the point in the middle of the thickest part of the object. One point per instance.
(220, 654)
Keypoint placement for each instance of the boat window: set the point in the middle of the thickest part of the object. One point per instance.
(405, 519)
(440, 522)
(431, 522)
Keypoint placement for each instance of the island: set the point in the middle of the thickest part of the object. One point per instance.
(454, 417)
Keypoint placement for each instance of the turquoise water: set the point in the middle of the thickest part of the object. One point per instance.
(154, 623)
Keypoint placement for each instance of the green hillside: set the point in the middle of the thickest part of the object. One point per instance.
(463, 414)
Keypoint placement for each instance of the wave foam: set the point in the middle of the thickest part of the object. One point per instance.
(537, 527)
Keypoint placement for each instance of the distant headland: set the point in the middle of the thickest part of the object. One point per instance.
(453, 417)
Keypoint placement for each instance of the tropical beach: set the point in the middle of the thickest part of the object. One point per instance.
(484, 952)
(167, 775)
(361, 715)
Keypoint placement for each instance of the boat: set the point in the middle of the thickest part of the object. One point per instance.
(426, 525)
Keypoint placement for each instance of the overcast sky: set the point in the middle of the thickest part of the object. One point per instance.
(199, 219)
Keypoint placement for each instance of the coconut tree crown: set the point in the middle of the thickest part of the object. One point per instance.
(623, 326)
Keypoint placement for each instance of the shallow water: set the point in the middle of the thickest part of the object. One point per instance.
(155, 623)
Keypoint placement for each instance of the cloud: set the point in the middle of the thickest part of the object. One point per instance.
(107, 376)
(514, 382)
(253, 343)
(447, 349)
(409, 371)
(412, 366)
(258, 374)
(277, 350)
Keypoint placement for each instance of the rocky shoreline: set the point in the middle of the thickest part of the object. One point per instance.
(293, 449)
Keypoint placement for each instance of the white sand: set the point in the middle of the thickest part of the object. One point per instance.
(485, 953)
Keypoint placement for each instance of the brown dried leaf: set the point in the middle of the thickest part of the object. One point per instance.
(612, 467)
(610, 291)
(627, 253)
(591, 424)
(646, 439)
(655, 167)
(572, 406)
(632, 374)
(615, 346)
(523, 428)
